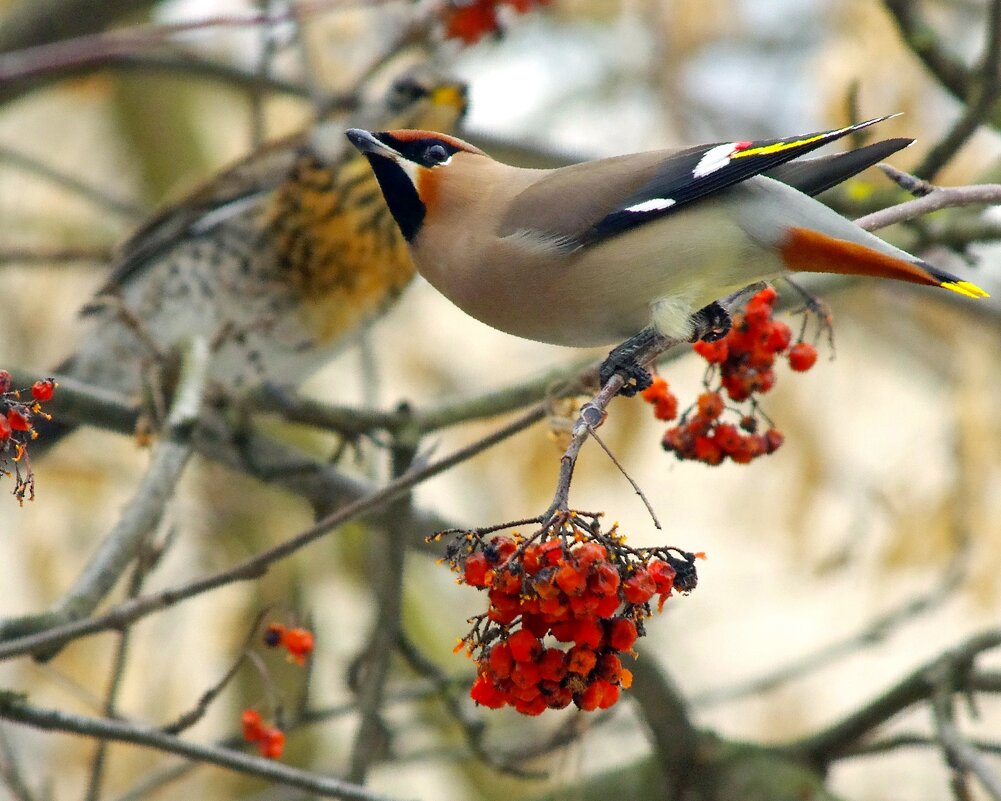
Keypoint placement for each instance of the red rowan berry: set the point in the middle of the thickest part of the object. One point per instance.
(299, 644)
(485, 693)
(252, 724)
(581, 660)
(713, 352)
(272, 744)
(524, 645)
(639, 587)
(552, 665)
(501, 661)
(475, 570)
(802, 356)
(43, 390)
(17, 420)
(710, 405)
(5, 430)
(622, 633)
(605, 580)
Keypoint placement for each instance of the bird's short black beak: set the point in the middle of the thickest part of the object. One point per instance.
(367, 143)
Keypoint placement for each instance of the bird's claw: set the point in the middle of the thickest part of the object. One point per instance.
(711, 323)
(637, 378)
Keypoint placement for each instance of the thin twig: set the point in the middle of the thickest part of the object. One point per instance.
(97, 195)
(941, 198)
(143, 513)
(15, 709)
(255, 566)
(979, 104)
(629, 478)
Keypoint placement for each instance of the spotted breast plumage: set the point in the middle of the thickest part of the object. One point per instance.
(279, 260)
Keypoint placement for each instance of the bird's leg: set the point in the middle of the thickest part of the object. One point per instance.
(623, 360)
(711, 323)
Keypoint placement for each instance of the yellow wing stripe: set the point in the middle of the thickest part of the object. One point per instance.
(778, 147)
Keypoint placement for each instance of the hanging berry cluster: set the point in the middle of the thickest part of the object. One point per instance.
(471, 20)
(297, 641)
(741, 367)
(16, 431)
(270, 739)
(565, 604)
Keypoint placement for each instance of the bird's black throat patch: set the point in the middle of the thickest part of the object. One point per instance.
(401, 196)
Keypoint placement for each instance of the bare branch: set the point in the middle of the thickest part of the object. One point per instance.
(15, 709)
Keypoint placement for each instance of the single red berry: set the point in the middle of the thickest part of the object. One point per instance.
(475, 570)
(713, 352)
(253, 725)
(802, 356)
(655, 391)
(622, 633)
(5, 430)
(299, 644)
(470, 23)
(581, 660)
(710, 405)
(605, 580)
(571, 578)
(18, 421)
(536, 706)
(552, 665)
(708, 450)
(526, 674)
(587, 701)
(525, 646)
(609, 667)
(485, 693)
(272, 743)
(42, 390)
(663, 575)
(588, 631)
(639, 587)
(779, 337)
(773, 440)
(5, 381)
(500, 660)
(589, 553)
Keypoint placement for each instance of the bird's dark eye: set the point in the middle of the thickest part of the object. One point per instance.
(436, 154)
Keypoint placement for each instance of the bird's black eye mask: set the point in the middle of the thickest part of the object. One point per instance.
(427, 151)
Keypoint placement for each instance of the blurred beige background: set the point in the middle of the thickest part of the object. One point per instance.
(891, 466)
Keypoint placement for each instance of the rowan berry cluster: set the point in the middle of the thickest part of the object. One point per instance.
(16, 430)
(297, 641)
(270, 739)
(741, 368)
(471, 20)
(565, 604)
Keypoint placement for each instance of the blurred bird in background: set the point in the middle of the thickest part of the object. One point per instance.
(280, 260)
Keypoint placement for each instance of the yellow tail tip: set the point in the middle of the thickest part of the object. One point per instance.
(964, 288)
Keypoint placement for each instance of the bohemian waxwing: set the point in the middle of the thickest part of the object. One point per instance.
(594, 253)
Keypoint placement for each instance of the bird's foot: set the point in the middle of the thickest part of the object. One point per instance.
(711, 323)
(623, 360)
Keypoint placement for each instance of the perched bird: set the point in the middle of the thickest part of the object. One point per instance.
(597, 252)
(279, 260)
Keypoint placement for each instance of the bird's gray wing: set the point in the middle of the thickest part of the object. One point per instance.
(585, 204)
